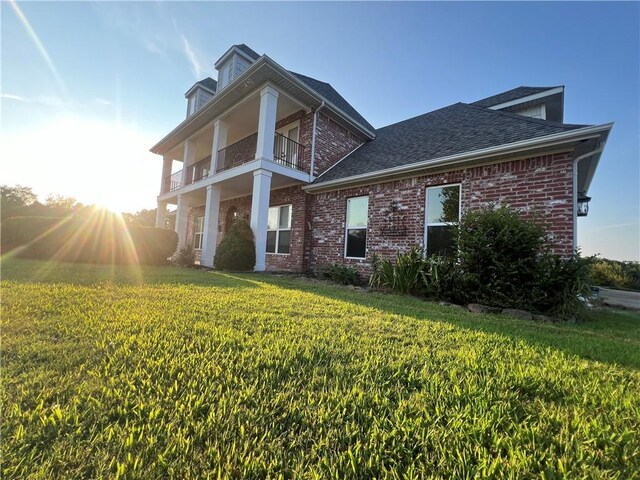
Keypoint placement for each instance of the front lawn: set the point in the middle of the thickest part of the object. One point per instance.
(159, 372)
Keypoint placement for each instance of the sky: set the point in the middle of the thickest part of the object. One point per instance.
(87, 88)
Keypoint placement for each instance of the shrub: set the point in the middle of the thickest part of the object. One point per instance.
(609, 273)
(405, 276)
(237, 251)
(498, 253)
(342, 274)
(560, 285)
(442, 279)
(185, 257)
(87, 240)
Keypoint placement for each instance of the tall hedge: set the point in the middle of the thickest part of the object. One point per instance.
(97, 239)
(237, 250)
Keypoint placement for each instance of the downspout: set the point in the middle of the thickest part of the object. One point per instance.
(313, 140)
(575, 191)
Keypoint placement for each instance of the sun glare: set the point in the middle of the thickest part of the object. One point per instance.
(95, 161)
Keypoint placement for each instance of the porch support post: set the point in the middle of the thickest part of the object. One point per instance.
(189, 159)
(211, 215)
(165, 181)
(161, 215)
(267, 123)
(182, 213)
(220, 132)
(260, 214)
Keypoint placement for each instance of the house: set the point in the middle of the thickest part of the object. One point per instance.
(320, 185)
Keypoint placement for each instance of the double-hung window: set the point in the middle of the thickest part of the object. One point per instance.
(443, 213)
(356, 227)
(198, 233)
(279, 229)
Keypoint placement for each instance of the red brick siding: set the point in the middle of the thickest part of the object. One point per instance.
(542, 184)
(296, 260)
(333, 142)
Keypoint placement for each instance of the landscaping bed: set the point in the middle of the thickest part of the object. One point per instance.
(163, 372)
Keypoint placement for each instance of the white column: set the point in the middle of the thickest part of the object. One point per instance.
(220, 132)
(166, 171)
(260, 214)
(267, 123)
(161, 215)
(189, 159)
(211, 214)
(182, 213)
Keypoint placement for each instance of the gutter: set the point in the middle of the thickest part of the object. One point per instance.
(546, 141)
(313, 140)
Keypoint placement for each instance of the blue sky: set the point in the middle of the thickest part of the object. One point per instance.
(83, 103)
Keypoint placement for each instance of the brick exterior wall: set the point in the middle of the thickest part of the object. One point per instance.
(541, 184)
(333, 142)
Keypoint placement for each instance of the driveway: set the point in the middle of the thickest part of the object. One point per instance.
(620, 298)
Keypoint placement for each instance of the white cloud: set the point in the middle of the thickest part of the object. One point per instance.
(9, 96)
(197, 66)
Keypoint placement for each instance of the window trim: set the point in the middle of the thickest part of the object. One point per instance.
(196, 233)
(278, 229)
(439, 224)
(346, 228)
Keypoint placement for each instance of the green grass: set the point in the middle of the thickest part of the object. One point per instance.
(176, 373)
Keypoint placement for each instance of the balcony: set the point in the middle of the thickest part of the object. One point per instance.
(286, 152)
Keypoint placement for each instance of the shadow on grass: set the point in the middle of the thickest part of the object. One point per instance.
(609, 337)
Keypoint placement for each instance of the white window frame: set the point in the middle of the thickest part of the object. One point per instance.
(278, 229)
(439, 224)
(347, 228)
(196, 233)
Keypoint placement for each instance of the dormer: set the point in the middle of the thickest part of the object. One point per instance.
(235, 61)
(199, 94)
(546, 103)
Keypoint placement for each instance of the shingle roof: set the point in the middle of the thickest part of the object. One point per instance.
(209, 83)
(456, 129)
(514, 94)
(247, 51)
(330, 94)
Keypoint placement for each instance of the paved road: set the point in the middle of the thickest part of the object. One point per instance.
(620, 298)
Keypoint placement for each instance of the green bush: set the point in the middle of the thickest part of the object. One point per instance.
(609, 273)
(342, 274)
(405, 276)
(237, 251)
(442, 279)
(185, 257)
(560, 285)
(104, 239)
(498, 254)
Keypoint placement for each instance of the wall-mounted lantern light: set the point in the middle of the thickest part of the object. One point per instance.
(583, 204)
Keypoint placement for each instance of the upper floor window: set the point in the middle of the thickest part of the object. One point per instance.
(279, 229)
(442, 213)
(356, 227)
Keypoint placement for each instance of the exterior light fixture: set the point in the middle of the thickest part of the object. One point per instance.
(583, 204)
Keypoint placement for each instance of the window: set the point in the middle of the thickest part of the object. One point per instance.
(356, 227)
(279, 229)
(443, 212)
(198, 233)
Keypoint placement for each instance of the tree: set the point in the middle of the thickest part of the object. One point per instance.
(144, 217)
(60, 202)
(16, 196)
